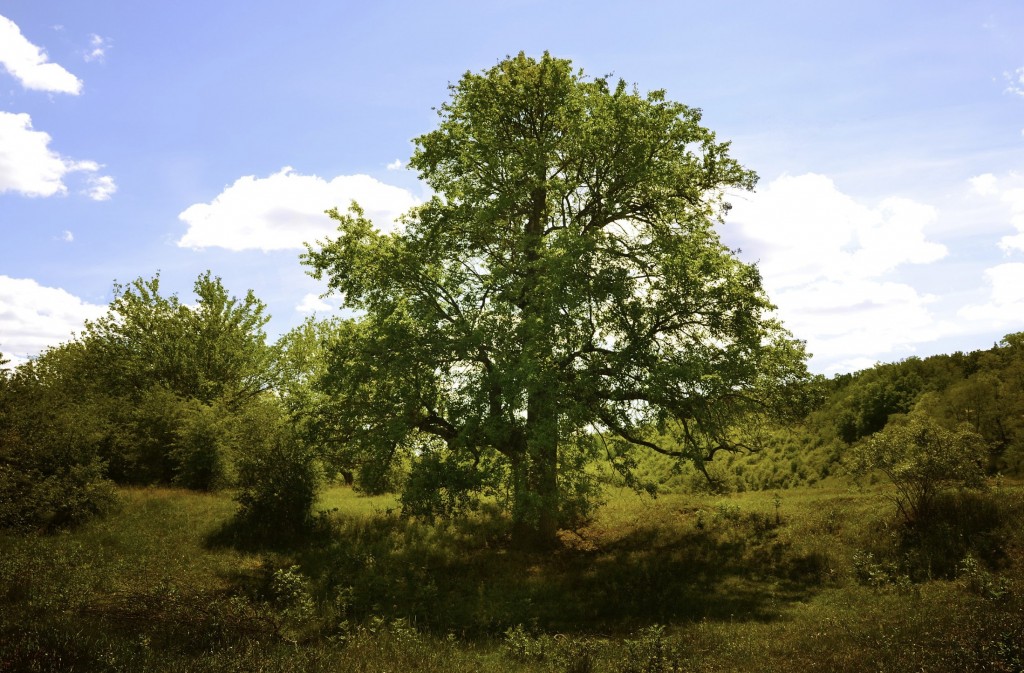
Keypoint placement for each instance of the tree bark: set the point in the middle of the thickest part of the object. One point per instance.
(542, 477)
(538, 500)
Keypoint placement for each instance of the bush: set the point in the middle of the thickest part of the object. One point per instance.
(923, 460)
(50, 475)
(440, 485)
(278, 476)
(70, 496)
(201, 449)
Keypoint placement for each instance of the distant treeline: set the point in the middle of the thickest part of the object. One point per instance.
(983, 389)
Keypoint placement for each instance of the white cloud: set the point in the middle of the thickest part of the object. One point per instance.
(29, 166)
(101, 187)
(312, 303)
(1005, 306)
(984, 185)
(395, 165)
(1010, 191)
(30, 65)
(853, 324)
(809, 230)
(67, 236)
(34, 317)
(286, 209)
(97, 48)
(825, 257)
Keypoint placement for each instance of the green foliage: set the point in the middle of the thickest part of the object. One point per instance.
(523, 646)
(649, 652)
(214, 350)
(50, 475)
(175, 379)
(156, 391)
(882, 392)
(922, 459)
(278, 477)
(31, 499)
(202, 452)
(441, 484)
(644, 590)
(566, 279)
(977, 579)
(983, 389)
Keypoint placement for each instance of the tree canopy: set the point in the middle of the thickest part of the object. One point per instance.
(565, 288)
(213, 350)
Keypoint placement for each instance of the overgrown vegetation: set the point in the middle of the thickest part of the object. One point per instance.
(823, 578)
(542, 351)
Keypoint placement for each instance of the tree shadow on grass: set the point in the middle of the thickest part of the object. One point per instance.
(247, 535)
(469, 579)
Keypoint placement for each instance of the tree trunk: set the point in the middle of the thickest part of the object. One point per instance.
(537, 497)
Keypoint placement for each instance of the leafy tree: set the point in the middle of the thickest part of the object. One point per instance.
(175, 375)
(300, 365)
(566, 282)
(865, 401)
(202, 449)
(922, 459)
(215, 350)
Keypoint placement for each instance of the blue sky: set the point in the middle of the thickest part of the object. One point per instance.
(179, 137)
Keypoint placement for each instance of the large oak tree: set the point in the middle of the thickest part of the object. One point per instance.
(564, 286)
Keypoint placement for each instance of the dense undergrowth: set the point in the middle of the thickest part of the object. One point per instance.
(813, 579)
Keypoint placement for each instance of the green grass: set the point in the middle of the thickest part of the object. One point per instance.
(815, 579)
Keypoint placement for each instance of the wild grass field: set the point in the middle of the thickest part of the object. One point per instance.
(810, 579)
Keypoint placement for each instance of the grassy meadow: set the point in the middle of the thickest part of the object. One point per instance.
(809, 579)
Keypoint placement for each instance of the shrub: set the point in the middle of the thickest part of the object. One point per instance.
(650, 652)
(50, 475)
(923, 459)
(440, 485)
(66, 497)
(201, 451)
(278, 475)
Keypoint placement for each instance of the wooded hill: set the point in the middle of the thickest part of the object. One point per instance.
(983, 389)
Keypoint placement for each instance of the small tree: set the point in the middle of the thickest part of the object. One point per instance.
(171, 376)
(202, 450)
(923, 459)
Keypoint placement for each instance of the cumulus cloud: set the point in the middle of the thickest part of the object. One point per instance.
(34, 317)
(824, 257)
(395, 165)
(67, 236)
(101, 187)
(312, 303)
(29, 166)
(985, 185)
(286, 209)
(30, 65)
(1009, 190)
(1005, 304)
